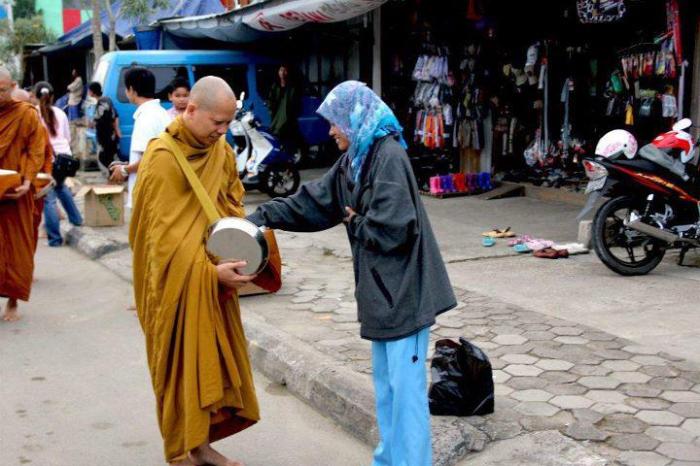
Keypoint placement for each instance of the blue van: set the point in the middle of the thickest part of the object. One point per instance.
(243, 71)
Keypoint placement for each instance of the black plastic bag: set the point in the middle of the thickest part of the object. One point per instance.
(462, 380)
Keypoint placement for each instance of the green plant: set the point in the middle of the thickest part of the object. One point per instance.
(28, 31)
(141, 10)
(24, 9)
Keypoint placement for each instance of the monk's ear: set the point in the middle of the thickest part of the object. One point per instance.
(191, 107)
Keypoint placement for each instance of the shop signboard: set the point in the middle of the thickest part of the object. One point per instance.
(600, 11)
(295, 13)
(673, 18)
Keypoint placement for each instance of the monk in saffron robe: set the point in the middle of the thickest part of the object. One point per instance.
(22, 143)
(187, 305)
(20, 95)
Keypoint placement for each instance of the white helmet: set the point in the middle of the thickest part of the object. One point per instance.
(617, 140)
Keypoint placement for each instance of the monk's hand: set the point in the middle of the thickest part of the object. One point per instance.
(229, 276)
(351, 213)
(19, 191)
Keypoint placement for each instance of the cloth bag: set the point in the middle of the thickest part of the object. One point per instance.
(462, 380)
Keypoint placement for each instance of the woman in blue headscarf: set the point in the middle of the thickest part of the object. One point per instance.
(400, 278)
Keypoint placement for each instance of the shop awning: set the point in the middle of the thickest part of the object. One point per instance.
(261, 19)
(81, 36)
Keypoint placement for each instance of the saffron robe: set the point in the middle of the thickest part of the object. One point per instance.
(195, 344)
(22, 143)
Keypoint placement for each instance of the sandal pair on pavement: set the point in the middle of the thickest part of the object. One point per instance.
(498, 233)
(551, 253)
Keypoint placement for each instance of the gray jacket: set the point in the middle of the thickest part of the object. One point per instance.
(400, 278)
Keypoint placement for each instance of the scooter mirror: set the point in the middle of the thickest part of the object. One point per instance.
(239, 103)
(683, 124)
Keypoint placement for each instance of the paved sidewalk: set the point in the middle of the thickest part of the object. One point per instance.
(624, 402)
(592, 397)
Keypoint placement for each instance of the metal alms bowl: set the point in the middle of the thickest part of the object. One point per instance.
(233, 239)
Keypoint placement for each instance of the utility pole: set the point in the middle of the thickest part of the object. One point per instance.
(98, 49)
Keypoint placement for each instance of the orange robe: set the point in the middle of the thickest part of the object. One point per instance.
(197, 352)
(22, 143)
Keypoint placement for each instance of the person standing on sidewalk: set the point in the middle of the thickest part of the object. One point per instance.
(150, 119)
(22, 143)
(75, 95)
(56, 122)
(284, 102)
(106, 124)
(188, 305)
(400, 278)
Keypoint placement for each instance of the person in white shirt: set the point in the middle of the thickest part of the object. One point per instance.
(150, 119)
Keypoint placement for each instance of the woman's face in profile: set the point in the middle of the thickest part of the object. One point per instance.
(340, 138)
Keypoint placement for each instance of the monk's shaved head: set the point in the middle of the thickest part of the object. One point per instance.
(210, 110)
(212, 91)
(20, 95)
(5, 74)
(7, 85)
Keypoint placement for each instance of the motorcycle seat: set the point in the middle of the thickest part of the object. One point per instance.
(651, 168)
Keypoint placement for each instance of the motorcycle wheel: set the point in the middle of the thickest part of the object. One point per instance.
(281, 181)
(623, 250)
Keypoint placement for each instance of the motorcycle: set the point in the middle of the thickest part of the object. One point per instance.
(262, 163)
(654, 199)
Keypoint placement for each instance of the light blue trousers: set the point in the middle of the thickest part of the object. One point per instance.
(400, 388)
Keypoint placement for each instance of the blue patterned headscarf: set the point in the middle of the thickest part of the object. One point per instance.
(362, 116)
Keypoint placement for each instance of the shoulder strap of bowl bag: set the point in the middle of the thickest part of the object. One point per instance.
(192, 178)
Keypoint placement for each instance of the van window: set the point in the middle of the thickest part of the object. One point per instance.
(235, 75)
(164, 76)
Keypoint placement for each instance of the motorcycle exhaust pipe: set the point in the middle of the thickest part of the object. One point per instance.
(658, 233)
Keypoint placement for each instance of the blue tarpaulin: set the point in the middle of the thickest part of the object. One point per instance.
(125, 27)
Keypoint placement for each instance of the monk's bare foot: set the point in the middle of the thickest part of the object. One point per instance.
(207, 455)
(131, 307)
(186, 462)
(11, 312)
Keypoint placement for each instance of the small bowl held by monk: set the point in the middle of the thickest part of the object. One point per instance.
(233, 239)
(43, 183)
(9, 179)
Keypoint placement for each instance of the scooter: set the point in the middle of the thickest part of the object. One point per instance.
(654, 199)
(261, 162)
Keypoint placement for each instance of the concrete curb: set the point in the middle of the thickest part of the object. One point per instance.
(89, 242)
(336, 391)
(342, 394)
